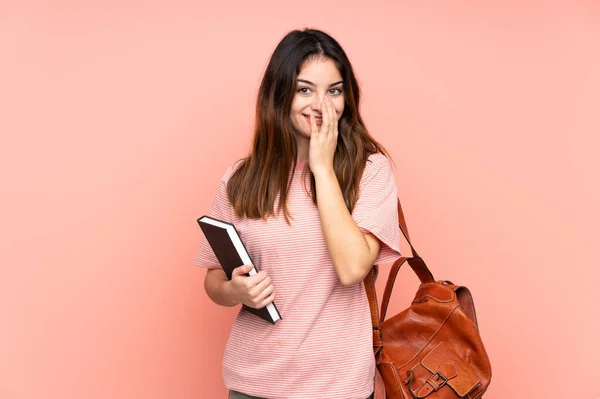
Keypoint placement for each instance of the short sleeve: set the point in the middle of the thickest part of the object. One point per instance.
(376, 210)
(223, 210)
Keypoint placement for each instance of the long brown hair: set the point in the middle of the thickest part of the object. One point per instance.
(265, 172)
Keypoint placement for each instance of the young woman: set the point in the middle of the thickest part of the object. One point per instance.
(315, 203)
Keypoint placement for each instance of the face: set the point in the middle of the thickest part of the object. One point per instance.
(317, 79)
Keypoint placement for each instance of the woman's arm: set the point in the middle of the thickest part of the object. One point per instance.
(218, 288)
(352, 252)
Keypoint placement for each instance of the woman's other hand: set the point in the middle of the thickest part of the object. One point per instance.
(323, 141)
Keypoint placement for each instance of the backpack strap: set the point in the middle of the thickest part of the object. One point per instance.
(417, 265)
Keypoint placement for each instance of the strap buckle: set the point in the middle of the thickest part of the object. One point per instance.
(435, 382)
(377, 328)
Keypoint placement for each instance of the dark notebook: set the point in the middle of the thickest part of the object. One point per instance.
(231, 253)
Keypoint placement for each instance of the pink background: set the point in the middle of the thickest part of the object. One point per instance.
(118, 119)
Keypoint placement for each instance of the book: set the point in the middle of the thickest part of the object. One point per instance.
(231, 252)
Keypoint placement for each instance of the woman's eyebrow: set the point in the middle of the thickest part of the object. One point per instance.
(312, 84)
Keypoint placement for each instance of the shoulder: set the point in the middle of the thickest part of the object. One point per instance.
(376, 163)
(230, 171)
(377, 159)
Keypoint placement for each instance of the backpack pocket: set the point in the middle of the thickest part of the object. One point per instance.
(441, 374)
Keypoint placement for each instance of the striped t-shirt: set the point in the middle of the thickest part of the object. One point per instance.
(322, 346)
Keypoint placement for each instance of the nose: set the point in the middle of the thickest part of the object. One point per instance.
(316, 103)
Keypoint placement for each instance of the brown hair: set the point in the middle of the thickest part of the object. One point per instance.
(253, 187)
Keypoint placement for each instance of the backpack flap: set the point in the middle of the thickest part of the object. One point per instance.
(447, 368)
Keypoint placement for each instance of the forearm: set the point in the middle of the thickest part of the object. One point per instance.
(217, 288)
(347, 245)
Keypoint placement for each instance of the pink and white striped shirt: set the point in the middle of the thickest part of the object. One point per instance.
(322, 347)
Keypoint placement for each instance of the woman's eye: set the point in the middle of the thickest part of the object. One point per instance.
(305, 90)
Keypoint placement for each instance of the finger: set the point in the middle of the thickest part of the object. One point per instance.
(331, 109)
(261, 296)
(260, 287)
(313, 125)
(335, 120)
(266, 301)
(242, 270)
(325, 115)
(257, 278)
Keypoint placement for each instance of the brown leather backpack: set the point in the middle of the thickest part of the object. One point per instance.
(432, 349)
